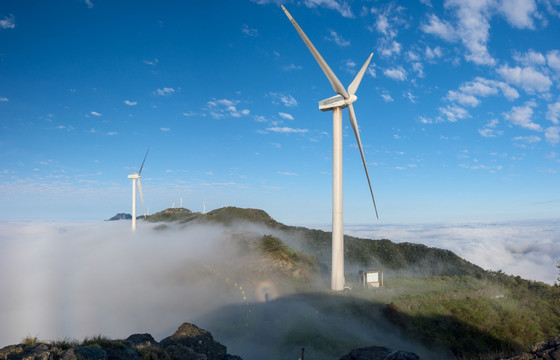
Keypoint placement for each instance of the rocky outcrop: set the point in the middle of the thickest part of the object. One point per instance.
(121, 216)
(549, 350)
(189, 342)
(379, 353)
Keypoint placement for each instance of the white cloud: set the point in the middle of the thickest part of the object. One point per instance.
(291, 67)
(527, 78)
(418, 68)
(249, 32)
(4, 99)
(489, 130)
(287, 130)
(8, 22)
(530, 58)
(112, 133)
(410, 96)
(371, 70)
(341, 6)
(337, 39)
(350, 66)
(462, 98)
(286, 116)
(553, 59)
(165, 91)
(89, 4)
(521, 116)
(130, 103)
(222, 108)
(151, 62)
(387, 98)
(433, 53)
(532, 139)
(439, 28)
(395, 73)
(453, 113)
(389, 48)
(553, 112)
(287, 173)
(164, 129)
(469, 93)
(95, 113)
(518, 12)
(552, 134)
(287, 100)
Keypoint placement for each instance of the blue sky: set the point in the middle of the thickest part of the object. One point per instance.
(459, 109)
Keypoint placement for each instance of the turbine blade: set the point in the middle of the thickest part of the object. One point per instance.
(356, 82)
(336, 84)
(141, 197)
(357, 133)
(139, 172)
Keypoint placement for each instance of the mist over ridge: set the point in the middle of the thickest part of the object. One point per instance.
(71, 280)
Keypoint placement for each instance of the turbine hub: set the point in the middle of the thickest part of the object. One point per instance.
(351, 99)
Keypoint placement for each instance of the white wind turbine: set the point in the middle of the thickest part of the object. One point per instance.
(336, 104)
(135, 177)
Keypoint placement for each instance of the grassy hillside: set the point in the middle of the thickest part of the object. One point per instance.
(433, 302)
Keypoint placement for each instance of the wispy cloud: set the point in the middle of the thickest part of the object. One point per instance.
(341, 6)
(387, 98)
(469, 92)
(337, 39)
(531, 139)
(151, 62)
(287, 173)
(553, 112)
(489, 129)
(454, 113)
(397, 73)
(552, 135)
(95, 113)
(8, 22)
(164, 129)
(130, 103)
(439, 28)
(223, 108)
(165, 91)
(291, 67)
(4, 99)
(528, 78)
(286, 100)
(287, 130)
(522, 116)
(249, 32)
(89, 4)
(286, 116)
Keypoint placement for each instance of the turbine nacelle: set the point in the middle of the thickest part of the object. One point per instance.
(134, 176)
(336, 101)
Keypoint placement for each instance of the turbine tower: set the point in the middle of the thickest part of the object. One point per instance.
(336, 104)
(134, 178)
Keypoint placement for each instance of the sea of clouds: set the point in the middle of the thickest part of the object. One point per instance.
(71, 280)
(529, 248)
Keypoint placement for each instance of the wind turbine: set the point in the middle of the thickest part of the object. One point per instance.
(336, 104)
(135, 177)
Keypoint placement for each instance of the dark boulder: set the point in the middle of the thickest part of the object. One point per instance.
(379, 353)
(200, 341)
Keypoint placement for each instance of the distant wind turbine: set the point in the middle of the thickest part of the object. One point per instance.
(336, 104)
(135, 177)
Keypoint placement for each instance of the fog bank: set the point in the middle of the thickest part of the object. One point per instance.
(528, 248)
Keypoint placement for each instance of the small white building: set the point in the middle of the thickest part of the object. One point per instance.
(371, 278)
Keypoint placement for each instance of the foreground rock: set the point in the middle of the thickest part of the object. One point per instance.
(549, 350)
(379, 353)
(189, 342)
